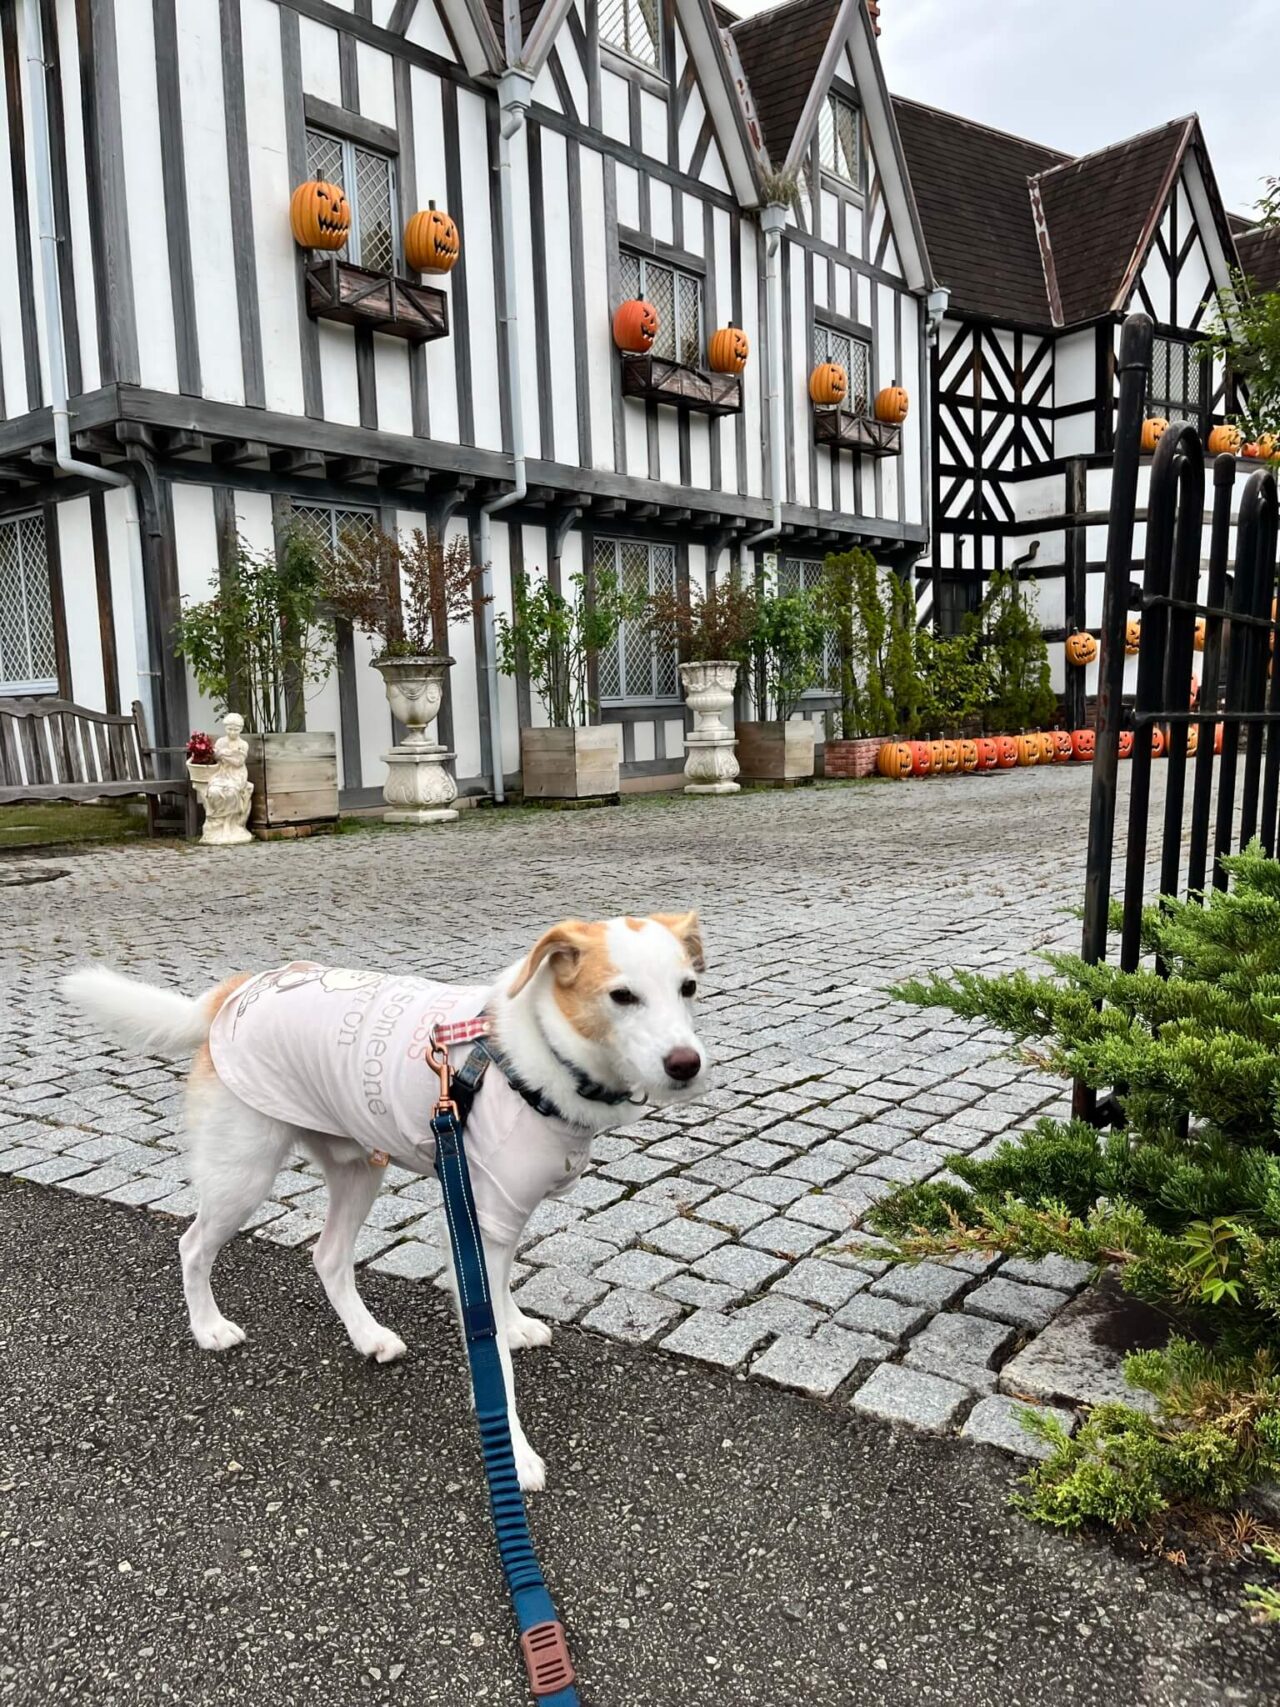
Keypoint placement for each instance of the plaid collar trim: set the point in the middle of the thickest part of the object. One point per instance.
(456, 1032)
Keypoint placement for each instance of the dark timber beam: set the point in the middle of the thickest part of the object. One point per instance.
(242, 453)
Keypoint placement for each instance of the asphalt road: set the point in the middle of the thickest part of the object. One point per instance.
(284, 1524)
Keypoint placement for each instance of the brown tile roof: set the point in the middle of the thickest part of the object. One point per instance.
(781, 50)
(1259, 252)
(1100, 211)
(970, 185)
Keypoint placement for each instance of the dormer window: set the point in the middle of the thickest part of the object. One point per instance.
(631, 26)
(677, 296)
(840, 140)
(369, 180)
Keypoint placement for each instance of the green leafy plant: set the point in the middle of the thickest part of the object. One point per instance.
(1248, 336)
(403, 591)
(789, 647)
(870, 614)
(260, 639)
(1262, 1599)
(1020, 692)
(713, 623)
(555, 637)
(955, 677)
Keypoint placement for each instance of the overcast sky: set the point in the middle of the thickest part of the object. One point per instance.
(1079, 75)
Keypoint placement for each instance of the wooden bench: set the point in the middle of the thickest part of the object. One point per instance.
(53, 750)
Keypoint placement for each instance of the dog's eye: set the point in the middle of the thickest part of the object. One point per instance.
(689, 989)
(624, 998)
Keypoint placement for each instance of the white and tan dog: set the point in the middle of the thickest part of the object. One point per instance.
(330, 1062)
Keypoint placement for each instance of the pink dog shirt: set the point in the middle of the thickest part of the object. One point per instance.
(345, 1053)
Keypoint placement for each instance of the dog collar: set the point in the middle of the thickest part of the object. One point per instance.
(480, 1030)
(589, 1089)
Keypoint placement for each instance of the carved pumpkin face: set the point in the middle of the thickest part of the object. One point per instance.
(1048, 751)
(1193, 739)
(728, 349)
(1028, 749)
(986, 752)
(1132, 638)
(635, 326)
(1061, 746)
(1082, 648)
(431, 241)
(1225, 441)
(1153, 430)
(1126, 743)
(828, 383)
(894, 760)
(1006, 752)
(1159, 745)
(892, 404)
(320, 215)
(968, 757)
(1202, 629)
(937, 757)
(921, 758)
(951, 756)
(1082, 743)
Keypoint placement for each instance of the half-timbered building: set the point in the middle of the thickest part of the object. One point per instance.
(175, 371)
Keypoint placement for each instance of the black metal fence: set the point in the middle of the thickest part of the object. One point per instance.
(1228, 747)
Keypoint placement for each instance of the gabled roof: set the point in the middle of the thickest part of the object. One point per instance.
(970, 186)
(1259, 251)
(781, 52)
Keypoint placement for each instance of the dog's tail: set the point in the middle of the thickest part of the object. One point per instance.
(154, 1021)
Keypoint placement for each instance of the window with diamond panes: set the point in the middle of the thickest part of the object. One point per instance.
(677, 297)
(1177, 382)
(840, 140)
(631, 26)
(28, 660)
(324, 525)
(854, 357)
(369, 180)
(635, 666)
(804, 575)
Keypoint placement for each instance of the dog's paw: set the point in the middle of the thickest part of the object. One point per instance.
(220, 1336)
(385, 1347)
(525, 1331)
(530, 1470)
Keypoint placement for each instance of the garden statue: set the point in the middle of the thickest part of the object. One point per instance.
(228, 791)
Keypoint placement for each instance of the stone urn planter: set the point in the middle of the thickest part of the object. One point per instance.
(200, 775)
(571, 764)
(857, 758)
(418, 789)
(295, 782)
(777, 752)
(711, 764)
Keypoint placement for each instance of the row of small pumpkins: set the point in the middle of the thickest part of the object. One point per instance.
(1223, 440)
(320, 215)
(900, 759)
(1082, 647)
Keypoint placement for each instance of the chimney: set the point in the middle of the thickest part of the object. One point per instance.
(873, 6)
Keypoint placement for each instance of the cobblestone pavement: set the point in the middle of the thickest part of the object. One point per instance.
(730, 1231)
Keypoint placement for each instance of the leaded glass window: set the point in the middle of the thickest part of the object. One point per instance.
(636, 666)
(804, 575)
(631, 26)
(1177, 382)
(28, 659)
(840, 140)
(677, 297)
(324, 524)
(854, 356)
(369, 180)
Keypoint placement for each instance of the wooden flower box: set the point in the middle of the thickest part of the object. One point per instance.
(295, 782)
(846, 431)
(339, 290)
(661, 381)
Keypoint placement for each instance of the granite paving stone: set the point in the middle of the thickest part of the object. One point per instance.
(559, 1294)
(997, 1421)
(1011, 1301)
(818, 1282)
(883, 1316)
(638, 1270)
(710, 1337)
(899, 1395)
(785, 1237)
(685, 1238)
(630, 1315)
(967, 1338)
(924, 1283)
(817, 1364)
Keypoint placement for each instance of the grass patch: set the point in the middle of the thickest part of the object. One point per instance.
(53, 826)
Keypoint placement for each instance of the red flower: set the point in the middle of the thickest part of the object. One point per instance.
(200, 749)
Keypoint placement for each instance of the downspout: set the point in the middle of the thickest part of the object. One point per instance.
(37, 71)
(773, 219)
(515, 89)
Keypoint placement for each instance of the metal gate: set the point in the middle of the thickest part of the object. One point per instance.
(1234, 782)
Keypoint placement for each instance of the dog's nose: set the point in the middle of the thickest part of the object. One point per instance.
(683, 1064)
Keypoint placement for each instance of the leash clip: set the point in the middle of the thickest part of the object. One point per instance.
(438, 1057)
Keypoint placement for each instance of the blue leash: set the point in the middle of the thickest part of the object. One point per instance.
(542, 1638)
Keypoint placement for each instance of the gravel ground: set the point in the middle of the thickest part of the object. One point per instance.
(286, 1525)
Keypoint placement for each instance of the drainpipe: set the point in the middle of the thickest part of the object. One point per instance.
(515, 89)
(57, 360)
(936, 307)
(773, 219)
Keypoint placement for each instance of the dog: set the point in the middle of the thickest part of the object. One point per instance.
(596, 1018)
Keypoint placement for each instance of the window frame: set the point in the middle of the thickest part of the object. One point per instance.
(835, 100)
(19, 687)
(668, 264)
(351, 147)
(1175, 409)
(627, 695)
(957, 595)
(827, 330)
(333, 511)
(628, 58)
(804, 575)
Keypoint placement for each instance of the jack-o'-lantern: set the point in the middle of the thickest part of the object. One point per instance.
(951, 756)
(921, 758)
(986, 752)
(1201, 630)
(1263, 448)
(968, 757)
(1225, 441)
(1126, 743)
(1048, 752)
(1061, 746)
(828, 383)
(1193, 738)
(892, 404)
(1153, 430)
(320, 215)
(431, 241)
(1195, 691)
(1082, 743)
(1006, 752)
(1132, 638)
(1159, 745)
(894, 760)
(1217, 737)
(1028, 749)
(728, 349)
(1082, 648)
(635, 326)
(937, 757)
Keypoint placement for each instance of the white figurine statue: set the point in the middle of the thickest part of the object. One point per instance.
(228, 791)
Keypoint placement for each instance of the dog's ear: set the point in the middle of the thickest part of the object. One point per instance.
(687, 928)
(564, 946)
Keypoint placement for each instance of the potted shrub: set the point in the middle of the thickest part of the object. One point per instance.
(255, 646)
(871, 615)
(711, 634)
(201, 760)
(788, 647)
(554, 638)
(1020, 692)
(403, 593)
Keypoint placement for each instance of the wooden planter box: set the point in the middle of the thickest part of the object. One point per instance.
(844, 759)
(571, 764)
(295, 782)
(847, 431)
(339, 290)
(776, 752)
(658, 380)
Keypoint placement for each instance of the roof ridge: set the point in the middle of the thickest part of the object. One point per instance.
(1171, 125)
(769, 12)
(977, 124)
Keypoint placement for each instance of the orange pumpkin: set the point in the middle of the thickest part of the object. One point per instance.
(951, 757)
(1048, 753)
(320, 215)
(1158, 742)
(1225, 441)
(1006, 752)
(1195, 690)
(938, 757)
(431, 241)
(1263, 448)
(1061, 746)
(1193, 738)
(1126, 743)
(635, 326)
(894, 760)
(1201, 631)
(828, 383)
(968, 757)
(986, 752)
(1153, 430)
(1132, 638)
(892, 404)
(1028, 749)
(1217, 737)
(1083, 743)
(921, 758)
(728, 349)
(1082, 648)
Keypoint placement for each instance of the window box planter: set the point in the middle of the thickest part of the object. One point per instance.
(776, 752)
(295, 782)
(661, 381)
(339, 290)
(846, 431)
(571, 764)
